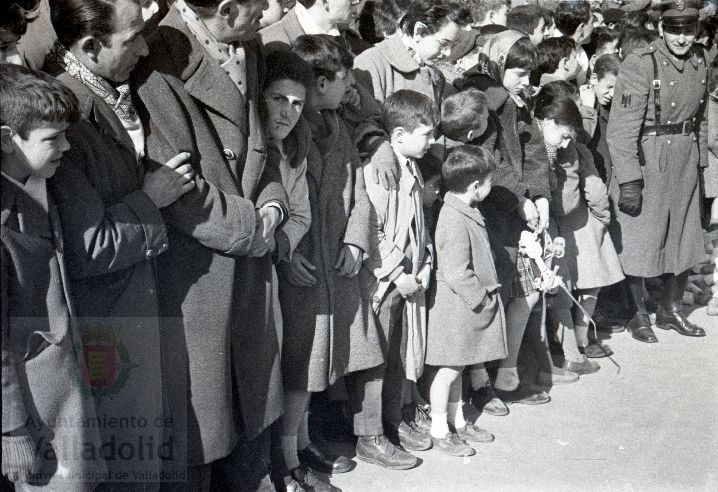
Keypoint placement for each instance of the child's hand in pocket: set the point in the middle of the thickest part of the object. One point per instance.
(408, 285)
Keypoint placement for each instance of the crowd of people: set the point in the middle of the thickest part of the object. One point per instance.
(235, 229)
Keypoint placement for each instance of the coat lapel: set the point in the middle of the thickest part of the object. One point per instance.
(470, 212)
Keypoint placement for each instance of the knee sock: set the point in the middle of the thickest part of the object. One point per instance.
(439, 425)
(303, 432)
(507, 378)
(456, 414)
(587, 299)
(567, 335)
(289, 451)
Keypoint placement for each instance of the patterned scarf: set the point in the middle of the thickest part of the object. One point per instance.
(231, 58)
(118, 98)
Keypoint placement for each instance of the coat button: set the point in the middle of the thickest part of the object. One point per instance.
(149, 254)
(668, 122)
(376, 299)
(673, 105)
(703, 81)
(668, 142)
(695, 138)
(672, 83)
(665, 63)
(228, 154)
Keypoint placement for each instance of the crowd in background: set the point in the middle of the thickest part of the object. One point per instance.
(233, 230)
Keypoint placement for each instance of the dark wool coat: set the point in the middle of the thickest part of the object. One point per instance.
(113, 231)
(666, 236)
(466, 317)
(329, 328)
(521, 170)
(41, 347)
(288, 29)
(220, 343)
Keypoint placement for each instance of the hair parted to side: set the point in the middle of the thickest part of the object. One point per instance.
(570, 14)
(29, 97)
(464, 165)
(550, 104)
(601, 37)
(550, 53)
(463, 112)
(433, 14)
(481, 8)
(409, 110)
(606, 64)
(321, 53)
(75, 19)
(561, 88)
(284, 64)
(524, 18)
(522, 55)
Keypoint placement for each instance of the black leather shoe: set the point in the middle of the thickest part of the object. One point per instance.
(418, 415)
(596, 350)
(676, 320)
(410, 436)
(313, 456)
(306, 478)
(487, 401)
(523, 395)
(378, 450)
(640, 328)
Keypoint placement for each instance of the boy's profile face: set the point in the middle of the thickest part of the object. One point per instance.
(604, 88)
(572, 67)
(516, 80)
(332, 92)
(482, 188)
(40, 152)
(285, 102)
(538, 33)
(432, 188)
(416, 143)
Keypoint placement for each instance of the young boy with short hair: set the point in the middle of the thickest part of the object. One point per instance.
(557, 60)
(465, 308)
(528, 19)
(573, 19)
(398, 271)
(42, 359)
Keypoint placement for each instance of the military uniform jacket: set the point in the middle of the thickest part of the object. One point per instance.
(665, 236)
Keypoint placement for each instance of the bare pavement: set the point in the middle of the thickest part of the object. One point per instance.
(651, 426)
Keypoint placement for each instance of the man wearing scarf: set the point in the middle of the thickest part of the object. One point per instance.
(198, 90)
(110, 212)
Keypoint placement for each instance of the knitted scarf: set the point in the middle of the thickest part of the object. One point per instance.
(117, 97)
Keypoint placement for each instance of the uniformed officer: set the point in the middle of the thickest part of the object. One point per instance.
(657, 138)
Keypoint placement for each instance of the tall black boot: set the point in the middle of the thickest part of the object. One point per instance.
(640, 324)
(670, 314)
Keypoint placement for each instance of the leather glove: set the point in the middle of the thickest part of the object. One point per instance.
(18, 457)
(630, 200)
(385, 167)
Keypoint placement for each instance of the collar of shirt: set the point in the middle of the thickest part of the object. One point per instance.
(409, 169)
(309, 26)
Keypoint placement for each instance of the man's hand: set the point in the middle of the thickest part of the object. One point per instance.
(299, 268)
(631, 200)
(529, 212)
(385, 168)
(271, 217)
(18, 455)
(408, 285)
(425, 276)
(349, 261)
(170, 181)
(543, 211)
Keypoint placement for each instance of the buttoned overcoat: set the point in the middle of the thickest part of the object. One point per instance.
(220, 344)
(666, 236)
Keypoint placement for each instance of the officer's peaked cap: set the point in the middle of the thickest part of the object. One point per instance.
(679, 12)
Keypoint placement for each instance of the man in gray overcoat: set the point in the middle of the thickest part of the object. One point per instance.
(198, 91)
(657, 138)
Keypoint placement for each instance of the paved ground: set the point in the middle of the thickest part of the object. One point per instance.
(653, 426)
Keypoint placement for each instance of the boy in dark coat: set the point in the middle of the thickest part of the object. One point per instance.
(42, 358)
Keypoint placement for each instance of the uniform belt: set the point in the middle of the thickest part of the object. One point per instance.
(683, 128)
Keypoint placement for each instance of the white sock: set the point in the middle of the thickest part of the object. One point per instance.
(439, 425)
(303, 432)
(456, 414)
(289, 451)
(507, 379)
